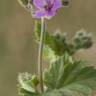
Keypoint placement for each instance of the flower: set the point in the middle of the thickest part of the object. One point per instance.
(46, 8)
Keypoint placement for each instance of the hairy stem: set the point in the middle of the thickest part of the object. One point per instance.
(40, 54)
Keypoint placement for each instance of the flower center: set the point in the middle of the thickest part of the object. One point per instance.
(48, 7)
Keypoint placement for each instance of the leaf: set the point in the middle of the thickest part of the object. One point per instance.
(73, 90)
(53, 93)
(27, 84)
(48, 53)
(23, 92)
(27, 5)
(23, 2)
(56, 71)
(80, 90)
(70, 78)
(48, 38)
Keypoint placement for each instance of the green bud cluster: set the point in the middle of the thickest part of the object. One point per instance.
(82, 40)
(59, 44)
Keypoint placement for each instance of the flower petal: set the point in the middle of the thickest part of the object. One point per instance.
(40, 13)
(50, 1)
(57, 4)
(38, 3)
(50, 14)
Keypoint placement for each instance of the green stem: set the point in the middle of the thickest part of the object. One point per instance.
(40, 54)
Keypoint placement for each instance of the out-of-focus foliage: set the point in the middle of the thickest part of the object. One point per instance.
(59, 44)
(65, 76)
(70, 78)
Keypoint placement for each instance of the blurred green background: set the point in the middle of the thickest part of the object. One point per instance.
(18, 49)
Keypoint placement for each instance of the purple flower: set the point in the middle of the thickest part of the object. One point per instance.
(46, 8)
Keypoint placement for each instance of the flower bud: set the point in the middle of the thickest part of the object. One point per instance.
(83, 40)
(23, 2)
(65, 3)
